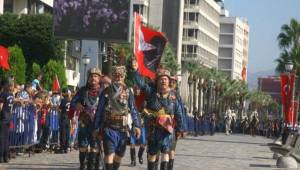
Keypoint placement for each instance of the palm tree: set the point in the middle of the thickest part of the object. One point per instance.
(191, 67)
(288, 41)
(282, 60)
(290, 35)
(202, 73)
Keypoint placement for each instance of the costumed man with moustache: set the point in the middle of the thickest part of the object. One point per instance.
(86, 101)
(116, 108)
(165, 110)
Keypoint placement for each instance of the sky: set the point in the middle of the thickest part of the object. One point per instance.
(265, 18)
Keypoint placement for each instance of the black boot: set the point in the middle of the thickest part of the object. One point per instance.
(5, 157)
(171, 162)
(164, 165)
(91, 161)
(82, 156)
(109, 166)
(116, 165)
(156, 164)
(132, 156)
(99, 164)
(1, 158)
(140, 155)
(151, 165)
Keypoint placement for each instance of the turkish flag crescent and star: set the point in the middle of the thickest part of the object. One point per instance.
(55, 85)
(286, 89)
(148, 48)
(4, 55)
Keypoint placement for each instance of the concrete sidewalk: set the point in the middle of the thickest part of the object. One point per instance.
(218, 152)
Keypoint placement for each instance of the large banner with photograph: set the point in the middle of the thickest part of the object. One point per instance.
(106, 20)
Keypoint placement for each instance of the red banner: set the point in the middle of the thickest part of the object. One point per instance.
(55, 84)
(4, 56)
(148, 48)
(287, 90)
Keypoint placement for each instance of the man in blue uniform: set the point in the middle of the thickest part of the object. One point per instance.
(6, 106)
(184, 115)
(86, 102)
(164, 108)
(64, 122)
(115, 110)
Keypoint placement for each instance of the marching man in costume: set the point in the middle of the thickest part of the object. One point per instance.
(116, 108)
(86, 102)
(164, 108)
(174, 87)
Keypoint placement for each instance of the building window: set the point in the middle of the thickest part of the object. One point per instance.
(136, 8)
(8, 5)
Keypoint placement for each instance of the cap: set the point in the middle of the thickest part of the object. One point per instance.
(174, 78)
(66, 90)
(119, 70)
(163, 72)
(94, 70)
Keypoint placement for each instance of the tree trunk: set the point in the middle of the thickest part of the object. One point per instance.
(199, 96)
(110, 59)
(194, 93)
(190, 98)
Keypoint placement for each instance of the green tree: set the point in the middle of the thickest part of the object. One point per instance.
(288, 41)
(34, 71)
(17, 65)
(169, 59)
(34, 34)
(51, 69)
(8, 29)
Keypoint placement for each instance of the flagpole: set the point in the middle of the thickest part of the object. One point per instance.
(293, 103)
(110, 59)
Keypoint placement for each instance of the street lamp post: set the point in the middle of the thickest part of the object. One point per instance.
(85, 60)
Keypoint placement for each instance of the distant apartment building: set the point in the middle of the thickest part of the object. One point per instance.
(270, 85)
(200, 39)
(234, 45)
(26, 6)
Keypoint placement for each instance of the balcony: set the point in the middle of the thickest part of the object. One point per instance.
(191, 23)
(141, 2)
(190, 56)
(192, 6)
(190, 39)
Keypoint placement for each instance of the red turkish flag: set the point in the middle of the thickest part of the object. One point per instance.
(287, 88)
(4, 55)
(55, 85)
(148, 48)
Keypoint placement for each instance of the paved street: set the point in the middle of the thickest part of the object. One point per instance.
(204, 152)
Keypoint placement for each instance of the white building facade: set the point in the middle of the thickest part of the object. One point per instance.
(234, 45)
(200, 39)
(25, 6)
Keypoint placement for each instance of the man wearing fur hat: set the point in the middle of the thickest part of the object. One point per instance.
(116, 107)
(164, 109)
(86, 102)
